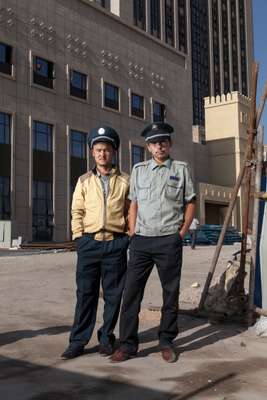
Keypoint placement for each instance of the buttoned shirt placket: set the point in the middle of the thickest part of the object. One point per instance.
(104, 179)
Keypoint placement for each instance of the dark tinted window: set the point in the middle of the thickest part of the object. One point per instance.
(137, 154)
(5, 59)
(42, 136)
(169, 22)
(43, 72)
(42, 218)
(5, 128)
(78, 84)
(5, 210)
(111, 96)
(137, 105)
(140, 13)
(78, 144)
(158, 112)
(155, 18)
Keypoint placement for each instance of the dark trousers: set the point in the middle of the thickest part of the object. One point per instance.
(166, 253)
(105, 262)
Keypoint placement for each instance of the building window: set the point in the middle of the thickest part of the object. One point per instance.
(137, 106)
(216, 48)
(78, 144)
(234, 44)
(158, 112)
(42, 223)
(155, 20)
(5, 128)
(5, 211)
(169, 22)
(102, 3)
(137, 154)
(5, 59)
(78, 159)
(140, 13)
(43, 72)
(111, 96)
(226, 62)
(243, 47)
(42, 136)
(200, 58)
(182, 25)
(78, 84)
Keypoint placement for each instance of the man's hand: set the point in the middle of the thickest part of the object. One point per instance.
(188, 217)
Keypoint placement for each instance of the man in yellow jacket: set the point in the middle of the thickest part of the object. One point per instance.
(99, 212)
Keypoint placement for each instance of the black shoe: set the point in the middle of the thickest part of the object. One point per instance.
(106, 350)
(72, 352)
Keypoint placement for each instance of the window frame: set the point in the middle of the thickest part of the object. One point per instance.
(72, 130)
(69, 69)
(132, 145)
(10, 127)
(33, 56)
(34, 141)
(153, 101)
(10, 75)
(104, 106)
(130, 94)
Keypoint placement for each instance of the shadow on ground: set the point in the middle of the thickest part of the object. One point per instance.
(204, 334)
(14, 336)
(21, 380)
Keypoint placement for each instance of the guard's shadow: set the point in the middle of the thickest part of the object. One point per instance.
(14, 336)
(203, 334)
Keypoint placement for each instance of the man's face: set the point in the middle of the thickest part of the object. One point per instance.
(160, 150)
(103, 153)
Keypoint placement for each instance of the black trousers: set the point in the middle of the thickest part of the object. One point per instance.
(166, 253)
(105, 262)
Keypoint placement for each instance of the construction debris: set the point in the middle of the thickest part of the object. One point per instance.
(223, 297)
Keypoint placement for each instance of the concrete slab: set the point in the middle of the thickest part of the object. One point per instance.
(37, 298)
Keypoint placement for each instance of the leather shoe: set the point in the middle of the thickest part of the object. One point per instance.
(72, 352)
(169, 354)
(106, 350)
(120, 355)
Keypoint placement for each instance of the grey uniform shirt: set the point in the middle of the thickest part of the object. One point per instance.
(162, 192)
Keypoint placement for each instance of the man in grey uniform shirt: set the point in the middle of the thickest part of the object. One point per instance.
(162, 208)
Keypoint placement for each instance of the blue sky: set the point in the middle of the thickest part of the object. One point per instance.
(260, 49)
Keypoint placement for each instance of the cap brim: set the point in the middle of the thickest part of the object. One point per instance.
(158, 138)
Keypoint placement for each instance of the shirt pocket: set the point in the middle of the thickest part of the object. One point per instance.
(143, 191)
(173, 190)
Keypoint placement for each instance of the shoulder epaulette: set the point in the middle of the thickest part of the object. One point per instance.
(85, 176)
(176, 162)
(141, 164)
(124, 177)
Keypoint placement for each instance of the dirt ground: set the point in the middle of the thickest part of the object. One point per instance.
(37, 298)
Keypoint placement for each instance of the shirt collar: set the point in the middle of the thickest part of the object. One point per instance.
(113, 171)
(166, 163)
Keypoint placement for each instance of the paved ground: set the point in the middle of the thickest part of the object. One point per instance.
(37, 301)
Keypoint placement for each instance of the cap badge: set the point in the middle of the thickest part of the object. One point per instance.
(101, 131)
(154, 126)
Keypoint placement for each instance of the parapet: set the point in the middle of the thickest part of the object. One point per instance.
(233, 97)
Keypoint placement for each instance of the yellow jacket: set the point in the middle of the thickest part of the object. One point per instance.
(90, 212)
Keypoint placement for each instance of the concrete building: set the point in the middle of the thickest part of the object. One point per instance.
(226, 120)
(68, 66)
(222, 50)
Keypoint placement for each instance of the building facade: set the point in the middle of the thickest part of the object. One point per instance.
(69, 66)
(222, 50)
